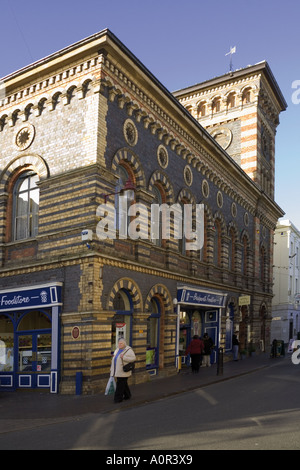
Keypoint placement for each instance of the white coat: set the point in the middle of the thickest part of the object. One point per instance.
(128, 356)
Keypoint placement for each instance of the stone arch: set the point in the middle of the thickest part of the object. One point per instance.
(161, 178)
(128, 156)
(132, 288)
(187, 195)
(161, 291)
(36, 162)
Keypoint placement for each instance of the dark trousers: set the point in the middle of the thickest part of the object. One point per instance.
(122, 389)
(195, 358)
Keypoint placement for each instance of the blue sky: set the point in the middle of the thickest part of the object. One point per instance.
(182, 43)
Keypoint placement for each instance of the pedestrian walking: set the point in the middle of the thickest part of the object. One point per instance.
(195, 349)
(123, 355)
(235, 347)
(208, 347)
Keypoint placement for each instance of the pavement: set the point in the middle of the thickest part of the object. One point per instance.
(21, 409)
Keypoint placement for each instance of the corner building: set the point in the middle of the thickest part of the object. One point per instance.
(75, 127)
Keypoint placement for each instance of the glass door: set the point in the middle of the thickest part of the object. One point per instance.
(34, 358)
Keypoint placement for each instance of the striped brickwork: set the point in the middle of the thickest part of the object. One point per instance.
(79, 109)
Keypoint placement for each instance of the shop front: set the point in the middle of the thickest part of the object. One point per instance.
(29, 337)
(198, 312)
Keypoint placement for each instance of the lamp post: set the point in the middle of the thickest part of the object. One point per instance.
(177, 357)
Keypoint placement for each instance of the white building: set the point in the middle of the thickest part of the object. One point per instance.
(286, 302)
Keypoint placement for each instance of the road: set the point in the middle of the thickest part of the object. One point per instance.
(258, 411)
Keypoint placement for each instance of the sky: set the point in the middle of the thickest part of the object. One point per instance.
(182, 43)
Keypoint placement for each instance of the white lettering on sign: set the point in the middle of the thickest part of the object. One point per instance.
(16, 300)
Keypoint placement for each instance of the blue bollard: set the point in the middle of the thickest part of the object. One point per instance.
(78, 383)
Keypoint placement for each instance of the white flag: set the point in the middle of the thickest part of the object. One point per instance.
(232, 50)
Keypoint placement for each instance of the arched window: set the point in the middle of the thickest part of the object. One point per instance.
(262, 264)
(122, 321)
(231, 101)
(159, 198)
(25, 206)
(247, 96)
(202, 110)
(153, 324)
(231, 250)
(123, 200)
(216, 105)
(244, 255)
(217, 243)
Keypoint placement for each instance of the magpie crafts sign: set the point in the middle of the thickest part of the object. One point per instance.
(47, 295)
(186, 295)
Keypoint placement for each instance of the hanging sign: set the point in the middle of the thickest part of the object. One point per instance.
(244, 300)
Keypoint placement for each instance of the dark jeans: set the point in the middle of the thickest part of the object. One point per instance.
(195, 358)
(122, 389)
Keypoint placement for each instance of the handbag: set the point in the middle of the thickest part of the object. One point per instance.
(129, 367)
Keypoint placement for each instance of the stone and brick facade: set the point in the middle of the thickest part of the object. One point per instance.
(81, 119)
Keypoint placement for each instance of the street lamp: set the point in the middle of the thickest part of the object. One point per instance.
(128, 190)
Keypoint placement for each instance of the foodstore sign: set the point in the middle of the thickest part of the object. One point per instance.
(46, 295)
(197, 297)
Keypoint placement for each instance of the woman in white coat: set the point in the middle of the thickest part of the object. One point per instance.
(122, 356)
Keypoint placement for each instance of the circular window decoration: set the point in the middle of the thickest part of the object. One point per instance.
(205, 188)
(188, 175)
(219, 199)
(246, 219)
(233, 209)
(162, 156)
(130, 132)
(223, 136)
(25, 136)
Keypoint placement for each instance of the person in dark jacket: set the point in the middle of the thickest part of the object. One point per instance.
(208, 347)
(195, 349)
(235, 347)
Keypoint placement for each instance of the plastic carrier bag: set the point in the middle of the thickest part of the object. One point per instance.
(111, 386)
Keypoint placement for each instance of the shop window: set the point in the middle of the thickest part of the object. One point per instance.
(25, 206)
(35, 320)
(6, 344)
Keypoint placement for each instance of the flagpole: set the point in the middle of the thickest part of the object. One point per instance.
(232, 51)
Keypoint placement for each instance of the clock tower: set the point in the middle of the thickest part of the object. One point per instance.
(241, 111)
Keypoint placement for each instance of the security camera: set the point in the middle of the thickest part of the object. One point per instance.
(86, 235)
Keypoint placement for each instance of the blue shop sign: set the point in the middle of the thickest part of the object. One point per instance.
(46, 295)
(186, 295)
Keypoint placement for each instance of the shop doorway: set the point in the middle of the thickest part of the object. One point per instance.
(34, 359)
(34, 346)
(197, 322)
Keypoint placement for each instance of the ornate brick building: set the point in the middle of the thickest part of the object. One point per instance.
(75, 129)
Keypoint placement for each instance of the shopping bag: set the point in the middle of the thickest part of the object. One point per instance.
(111, 386)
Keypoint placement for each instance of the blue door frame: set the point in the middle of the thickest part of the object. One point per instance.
(32, 375)
(15, 303)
